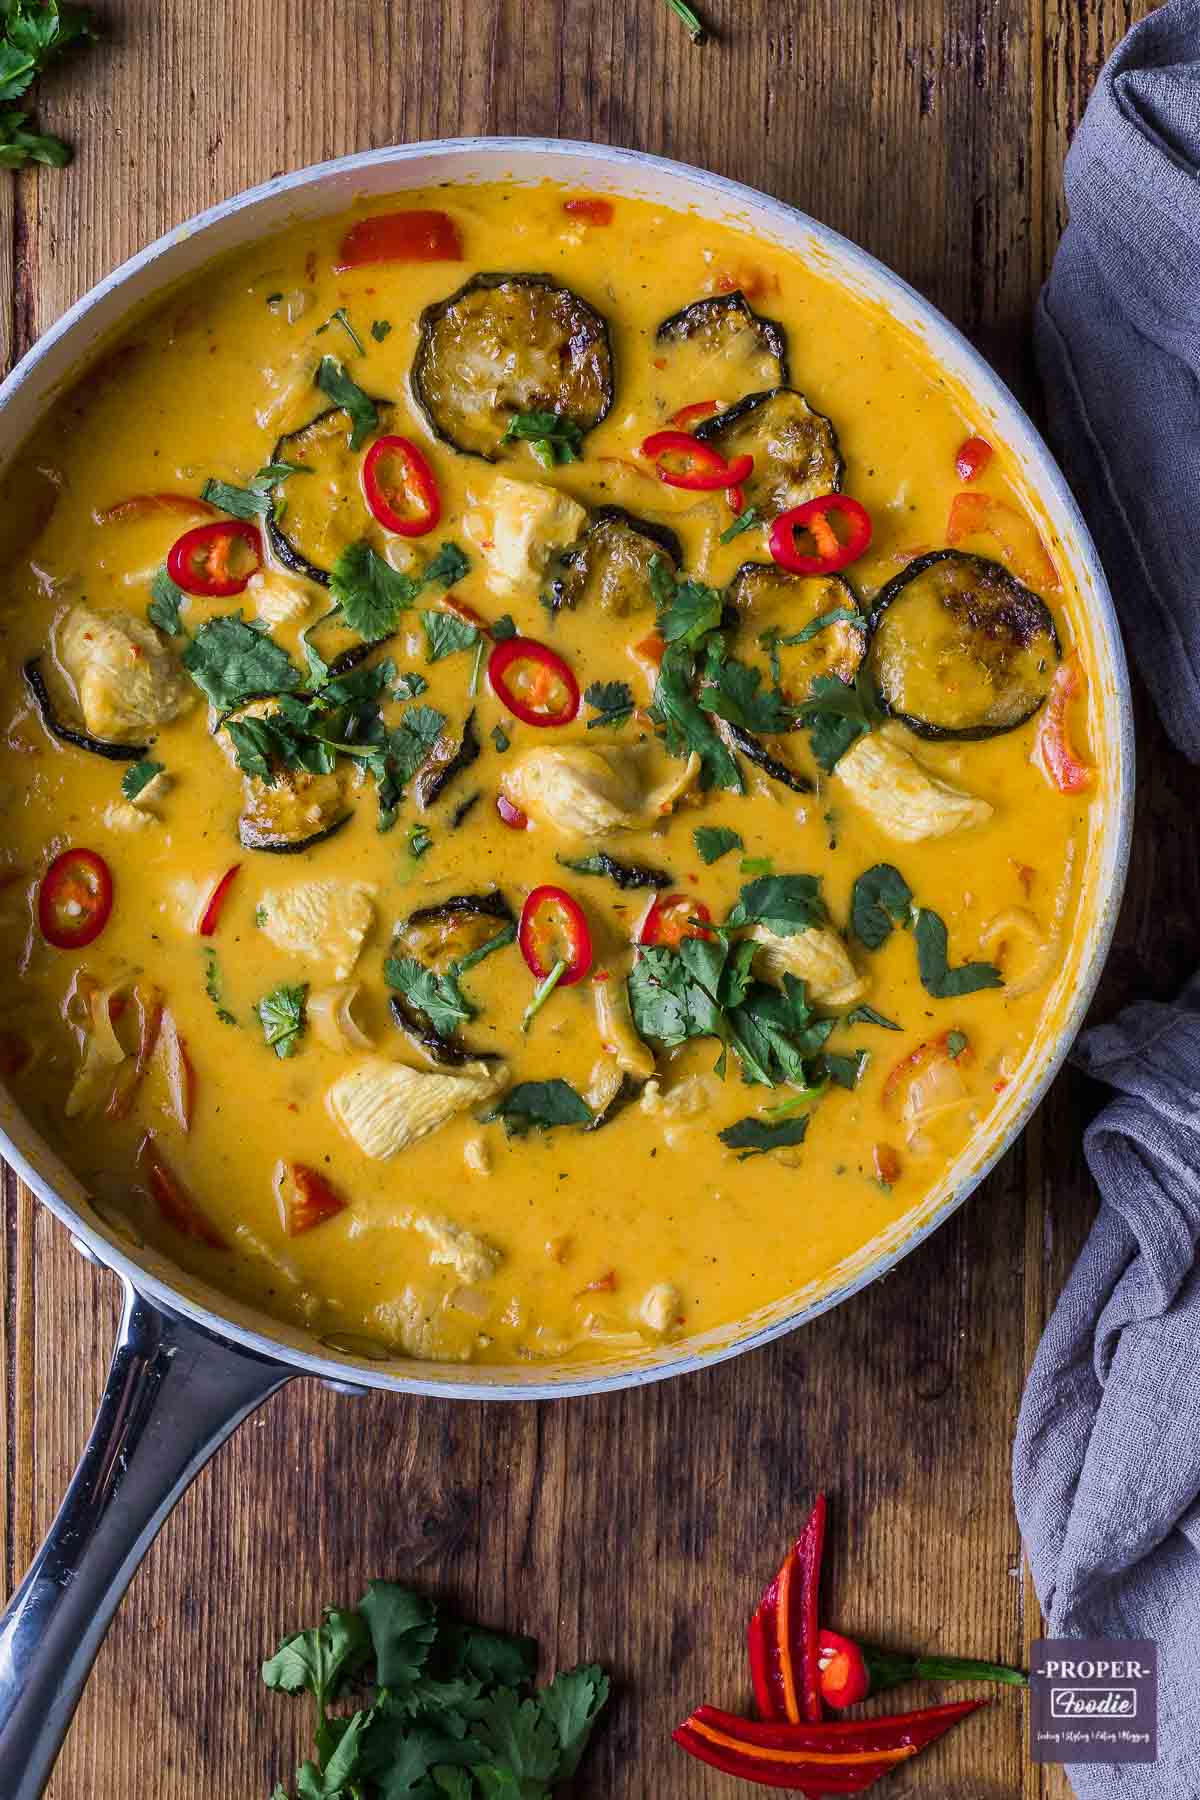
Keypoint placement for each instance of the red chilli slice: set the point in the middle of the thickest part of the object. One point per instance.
(524, 675)
(75, 899)
(784, 1632)
(417, 484)
(554, 929)
(832, 553)
(202, 560)
(212, 912)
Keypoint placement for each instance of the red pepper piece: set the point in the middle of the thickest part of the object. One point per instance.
(543, 678)
(831, 553)
(418, 235)
(704, 469)
(511, 815)
(305, 1198)
(201, 561)
(973, 458)
(75, 899)
(850, 1672)
(1015, 534)
(553, 929)
(591, 209)
(141, 506)
(673, 917)
(174, 1201)
(688, 415)
(1062, 763)
(784, 1630)
(842, 1758)
(416, 483)
(217, 899)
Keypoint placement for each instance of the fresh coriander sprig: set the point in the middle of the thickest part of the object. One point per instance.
(36, 33)
(696, 29)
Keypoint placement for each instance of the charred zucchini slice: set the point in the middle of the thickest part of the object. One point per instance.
(291, 813)
(808, 625)
(35, 681)
(507, 344)
(610, 564)
(756, 752)
(314, 516)
(720, 347)
(420, 1032)
(440, 936)
(795, 450)
(450, 755)
(960, 648)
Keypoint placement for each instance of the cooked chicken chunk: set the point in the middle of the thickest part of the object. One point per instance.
(586, 792)
(818, 957)
(278, 598)
(471, 1257)
(661, 1308)
(323, 921)
(126, 679)
(518, 525)
(617, 1034)
(411, 1322)
(386, 1106)
(904, 799)
(122, 815)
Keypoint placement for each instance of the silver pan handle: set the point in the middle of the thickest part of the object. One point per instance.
(174, 1393)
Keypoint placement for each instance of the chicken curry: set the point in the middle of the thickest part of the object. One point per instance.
(545, 777)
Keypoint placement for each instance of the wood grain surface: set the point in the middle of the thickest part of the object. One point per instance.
(638, 1529)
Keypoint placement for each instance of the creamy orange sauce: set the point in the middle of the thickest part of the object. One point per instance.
(596, 1243)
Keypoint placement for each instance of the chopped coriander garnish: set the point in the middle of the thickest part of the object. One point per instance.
(551, 436)
(282, 1015)
(420, 839)
(756, 865)
(754, 1137)
(359, 408)
(35, 35)
(213, 987)
(543, 992)
(140, 776)
(695, 28)
(446, 634)
(232, 662)
(743, 522)
(409, 685)
(342, 318)
(380, 329)
(438, 997)
(476, 667)
(538, 1106)
(956, 1043)
(166, 598)
(503, 627)
(837, 715)
(507, 935)
(866, 1015)
(715, 841)
(937, 977)
(613, 701)
(881, 899)
(260, 916)
(372, 595)
(254, 500)
(501, 738)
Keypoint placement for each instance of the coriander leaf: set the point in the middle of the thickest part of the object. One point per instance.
(626, 875)
(380, 329)
(880, 899)
(715, 841)
(837, 615)
(785, 904)
(754, 1137)
(341, 317)
(282, 1013)
(845, 1071)
(140, 776)
(420, 839)
(503, 627)
(837, 715)
(413, 738)
(937, 977)
(360, 409)
(454, 1783)
(500, 738)
(731, 690)
(866, 1015)
(743, 522)
(687, 730)
(774, 1033)
(613, 701)
(445, 634)
(371, 594)
(166, 598)
(540, 1105)
(573, 1702)
(409, 685)
(403, 1627)
(231, 662)
(496, 1658)
(343, 1766)
(521, 1738)
(956, 1043)
(687, 610)
(691, 20)
(439, 997)
(253, 501)
(322, 1661)
(553, 437)
(448, 566)
(213, 986)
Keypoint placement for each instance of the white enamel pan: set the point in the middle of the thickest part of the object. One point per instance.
(190, 1363)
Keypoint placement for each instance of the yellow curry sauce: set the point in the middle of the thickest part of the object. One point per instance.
(468, 1241)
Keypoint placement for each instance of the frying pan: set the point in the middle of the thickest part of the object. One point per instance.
(190, 1364)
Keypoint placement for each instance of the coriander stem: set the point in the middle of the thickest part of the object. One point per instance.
(543, 992)
(473, 684)
(695, 29)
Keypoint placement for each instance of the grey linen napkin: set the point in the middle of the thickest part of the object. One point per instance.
(1106, 1465)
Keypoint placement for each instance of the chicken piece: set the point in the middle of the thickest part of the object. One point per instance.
(903, 798)
(518, 526)
(818, 957)
(471, 1257)
(410, 1322)
(127, 679)
(386, 1106)
(278, 598)
(590, 793)
(123, 815)
(322, 921)
(614, 1022)
(477, 1155)
(686, 1100)
(661, 1308)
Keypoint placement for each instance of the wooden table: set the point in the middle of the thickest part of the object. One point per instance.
(637, 1529)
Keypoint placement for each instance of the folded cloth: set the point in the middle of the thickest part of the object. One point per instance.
(1118, 345)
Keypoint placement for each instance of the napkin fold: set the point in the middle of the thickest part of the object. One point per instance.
(1106, 1464)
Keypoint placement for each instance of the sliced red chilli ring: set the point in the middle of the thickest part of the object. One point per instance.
(815, 517)
(695, 466)
(697, 409)
(75, 899)
(672, 918)
(216, 560)
(395, 473)
(553, 930)
(533, 682)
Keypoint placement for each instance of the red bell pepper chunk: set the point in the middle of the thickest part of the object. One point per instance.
(814, 517)
(591, 209)
(417, 235)
(305, 1198)
(533, 682)
(842, 1758)
(703, 468)
(983, 515)
(973, 458)
(553, 929)
(75, 899)
(203, 562)
(212, 912)
(141, 506)
(511, 815)
(783, 1632)
(673, 917)
(1064, 767)
(416, 484)
(174, 1201)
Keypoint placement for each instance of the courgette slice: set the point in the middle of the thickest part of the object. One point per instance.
(721, 347)
(756, 752)
(449, 756)
(610, 564)
(795, 449)
(292, 813)
(417, 1027)
(319, 510)
(441, 935)
(960, 648)
(801, 621)
(505, 344)
(35, 681)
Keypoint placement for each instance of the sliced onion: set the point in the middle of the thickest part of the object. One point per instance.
(933, 1092)
(331, 1015)
(177, 1067)
(1047, 951)
(104, 1037)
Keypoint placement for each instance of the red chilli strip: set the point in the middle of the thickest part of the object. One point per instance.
(785, 1632)
(843, 1758)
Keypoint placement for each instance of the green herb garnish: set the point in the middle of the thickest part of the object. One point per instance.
(409, 685)
(743, 522)
(340, 317)
(166, 599)
(538, 1106)
(254, 500)
(626, 875)
(551, 436)
(613, 701)
(695, 28)
(282, 1015)
(446, 634)
(36, 35)
(866, 1015)
(881, 899)
(715, 841)
(837, 715)
(501, 738)
(380, 329)
(140, 776)
(213, 987)
(937, 977)
(754, 1137)
(439, 997)
(359, 408)
(232, 662)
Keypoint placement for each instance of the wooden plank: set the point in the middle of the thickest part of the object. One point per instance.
(636, 1529)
